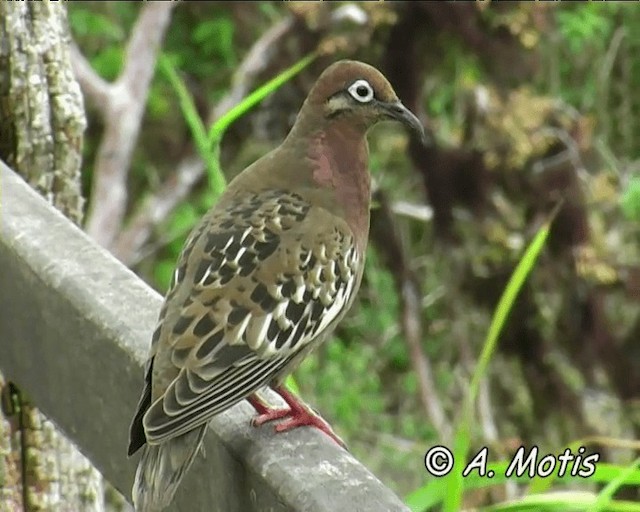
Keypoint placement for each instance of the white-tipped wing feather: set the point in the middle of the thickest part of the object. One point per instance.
(256, 285)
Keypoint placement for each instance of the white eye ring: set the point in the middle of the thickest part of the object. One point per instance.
(361, 91)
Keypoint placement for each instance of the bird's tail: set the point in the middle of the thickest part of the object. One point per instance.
(161, 469)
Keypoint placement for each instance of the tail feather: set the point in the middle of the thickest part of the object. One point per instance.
(162, 468)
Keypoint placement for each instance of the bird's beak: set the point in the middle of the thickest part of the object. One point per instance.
(399, 112)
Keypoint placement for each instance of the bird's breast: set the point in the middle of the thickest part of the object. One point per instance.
(339, 167)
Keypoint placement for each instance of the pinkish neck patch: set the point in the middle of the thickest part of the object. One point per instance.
(323, 172)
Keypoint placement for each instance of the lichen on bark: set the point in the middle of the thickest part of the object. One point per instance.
(42, 121)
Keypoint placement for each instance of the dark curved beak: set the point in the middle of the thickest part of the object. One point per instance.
(399, 112)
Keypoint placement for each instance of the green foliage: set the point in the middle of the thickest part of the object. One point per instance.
(158, 104)
(448, 491)
(584, 31)
(215, 39)
(108, 62)
(605, 498)
(589, 24)
(462, 440)
(568, 501)
(431, 494)
(95, 24)
(630, 200)
(203, 46)
(350, 401)
(593, 66)
(379, 312)
(102, 32)
(162, 273)
(456, 74)
(208, 145)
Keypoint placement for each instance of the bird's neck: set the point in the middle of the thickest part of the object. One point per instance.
(339, 159)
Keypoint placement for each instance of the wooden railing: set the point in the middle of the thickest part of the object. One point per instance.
(75, 327)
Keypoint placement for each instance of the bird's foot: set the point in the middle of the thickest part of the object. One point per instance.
(298, 415)
(265, 412)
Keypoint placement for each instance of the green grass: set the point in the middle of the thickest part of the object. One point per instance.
(447, 493)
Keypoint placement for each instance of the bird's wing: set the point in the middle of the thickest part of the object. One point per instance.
(258, 281)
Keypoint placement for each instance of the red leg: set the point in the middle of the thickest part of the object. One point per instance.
(298, 415)
(265, 412)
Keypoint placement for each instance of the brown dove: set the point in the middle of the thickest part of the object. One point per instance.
(263, 279)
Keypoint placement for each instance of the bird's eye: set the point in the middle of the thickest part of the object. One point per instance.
(361, 91)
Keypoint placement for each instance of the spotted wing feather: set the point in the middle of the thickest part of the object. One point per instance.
(257, 284)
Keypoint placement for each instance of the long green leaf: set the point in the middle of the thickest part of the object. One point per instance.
(606, 495)
(209, 154)
(565, 501)
(455, 483)
(434, 491)
(604, 473)
(220, 125)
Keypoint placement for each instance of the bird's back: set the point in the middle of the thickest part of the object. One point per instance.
(261, 277)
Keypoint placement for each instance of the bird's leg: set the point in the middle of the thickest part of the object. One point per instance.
(298, 415)
(266, 413)
(301, 415)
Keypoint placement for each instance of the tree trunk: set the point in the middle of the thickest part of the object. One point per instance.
(42, 121)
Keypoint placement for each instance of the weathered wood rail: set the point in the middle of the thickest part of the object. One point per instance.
(74, 330)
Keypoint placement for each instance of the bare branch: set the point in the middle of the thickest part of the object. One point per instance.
(95, 89)
(258, 59)
(123, 116)
(420, 212)
(129, 245)
(140, 56)
(412, 328)
(385, 237)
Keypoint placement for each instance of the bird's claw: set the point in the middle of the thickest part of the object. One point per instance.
(298, 415)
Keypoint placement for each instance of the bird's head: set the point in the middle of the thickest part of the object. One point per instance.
(359, 93)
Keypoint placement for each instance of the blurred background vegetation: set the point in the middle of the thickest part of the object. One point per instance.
(526, 105)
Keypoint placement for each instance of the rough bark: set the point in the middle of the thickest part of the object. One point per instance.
(41, 110)
(42, 122)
